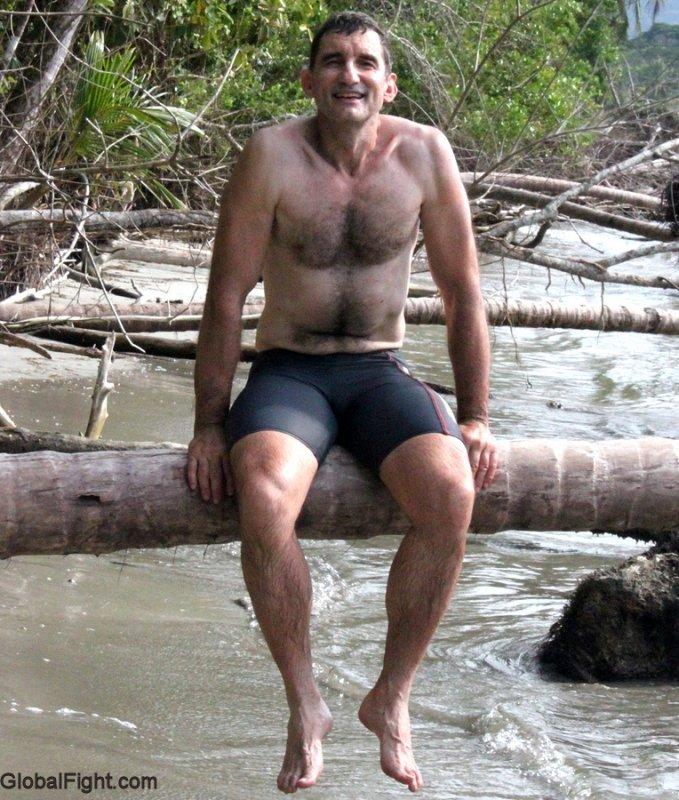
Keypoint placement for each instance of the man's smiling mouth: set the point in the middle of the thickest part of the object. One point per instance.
(348, 95)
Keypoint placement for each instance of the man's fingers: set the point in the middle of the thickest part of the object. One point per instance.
(216, 481)
(191, 473)
(204, 479)
(474, 452)
(482, 469)
(492, 469)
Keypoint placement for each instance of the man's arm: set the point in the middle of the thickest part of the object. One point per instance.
(243, 232)
(449, 240)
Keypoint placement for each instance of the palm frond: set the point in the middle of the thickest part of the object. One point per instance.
(112, 117)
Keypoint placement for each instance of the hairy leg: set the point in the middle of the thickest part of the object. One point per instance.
(430, 478)
(272, 473)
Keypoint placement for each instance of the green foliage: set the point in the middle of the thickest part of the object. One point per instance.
(653, 60)
(111, 118)
(502, 83)
(492, 82)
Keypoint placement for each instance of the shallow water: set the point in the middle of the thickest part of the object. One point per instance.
(143, 663)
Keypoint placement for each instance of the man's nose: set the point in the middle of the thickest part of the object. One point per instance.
(350, 73)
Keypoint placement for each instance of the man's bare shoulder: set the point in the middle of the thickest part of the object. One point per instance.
(420, 147)
(282, 137)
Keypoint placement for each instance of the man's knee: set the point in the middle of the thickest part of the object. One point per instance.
(433, 483)
(449, 500)
(271, 478)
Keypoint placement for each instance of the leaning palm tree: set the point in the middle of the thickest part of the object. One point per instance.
(655, 6)
(111, 119)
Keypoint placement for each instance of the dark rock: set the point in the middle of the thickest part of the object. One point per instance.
(622, 622)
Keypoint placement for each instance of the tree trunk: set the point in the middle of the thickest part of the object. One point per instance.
(98, 502)
(597, 271)
(538, 183)
(107, 221)
(25, 113)
(523, 313)
(418, 311)
(558, 203)
(651, 230)
(56, 311)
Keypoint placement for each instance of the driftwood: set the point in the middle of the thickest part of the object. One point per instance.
(651, 230)
(523, 313)
(22, 440)
(418, 311)
(558, 204)
(107, 221)
(97, 502)
(141, 343)
(150, 345)
(59, 311)
(5, 420)
(12, 340)
(593, 271)
(478, 183)
(44, 345)
(102, 389)
(163, 219)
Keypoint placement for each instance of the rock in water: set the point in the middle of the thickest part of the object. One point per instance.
(622, 622)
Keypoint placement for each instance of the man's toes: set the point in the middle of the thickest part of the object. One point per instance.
(310, 772)
(415, 780)
(286, 781)
(310, 776)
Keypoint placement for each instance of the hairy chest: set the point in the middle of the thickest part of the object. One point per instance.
(325, 224)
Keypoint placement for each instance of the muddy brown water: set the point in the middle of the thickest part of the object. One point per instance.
(144, 663)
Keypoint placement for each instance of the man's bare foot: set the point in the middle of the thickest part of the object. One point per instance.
(390, 722)
(303, 761)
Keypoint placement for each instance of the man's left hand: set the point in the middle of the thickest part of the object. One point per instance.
(482, 452)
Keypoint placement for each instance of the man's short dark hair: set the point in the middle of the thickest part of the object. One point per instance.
(346, 23)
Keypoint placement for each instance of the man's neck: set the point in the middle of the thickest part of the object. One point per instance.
(346, 147)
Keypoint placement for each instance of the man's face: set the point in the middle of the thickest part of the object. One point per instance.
(349, 81)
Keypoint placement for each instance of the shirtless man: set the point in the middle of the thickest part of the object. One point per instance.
(327, 209)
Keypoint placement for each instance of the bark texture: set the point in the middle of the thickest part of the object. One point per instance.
(523, 313)
(540, 183)
(622, 623)
(107, 221)
(24, 115)
(418, 311)
(97, 502)
(651, 230)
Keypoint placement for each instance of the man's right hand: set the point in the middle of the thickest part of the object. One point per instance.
(207, 466)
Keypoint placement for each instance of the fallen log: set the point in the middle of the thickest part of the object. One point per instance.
(418, 311)
(23, 440)
(593, 271)
(103, 501)
(477, 184)
(523, 313)
(659, 231)
(54, 310)
(558, 203)
(107, 221)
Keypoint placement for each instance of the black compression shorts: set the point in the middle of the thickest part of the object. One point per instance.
(366, 402)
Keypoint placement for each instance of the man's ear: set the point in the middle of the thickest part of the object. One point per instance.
(392, 88)
(306, 80)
